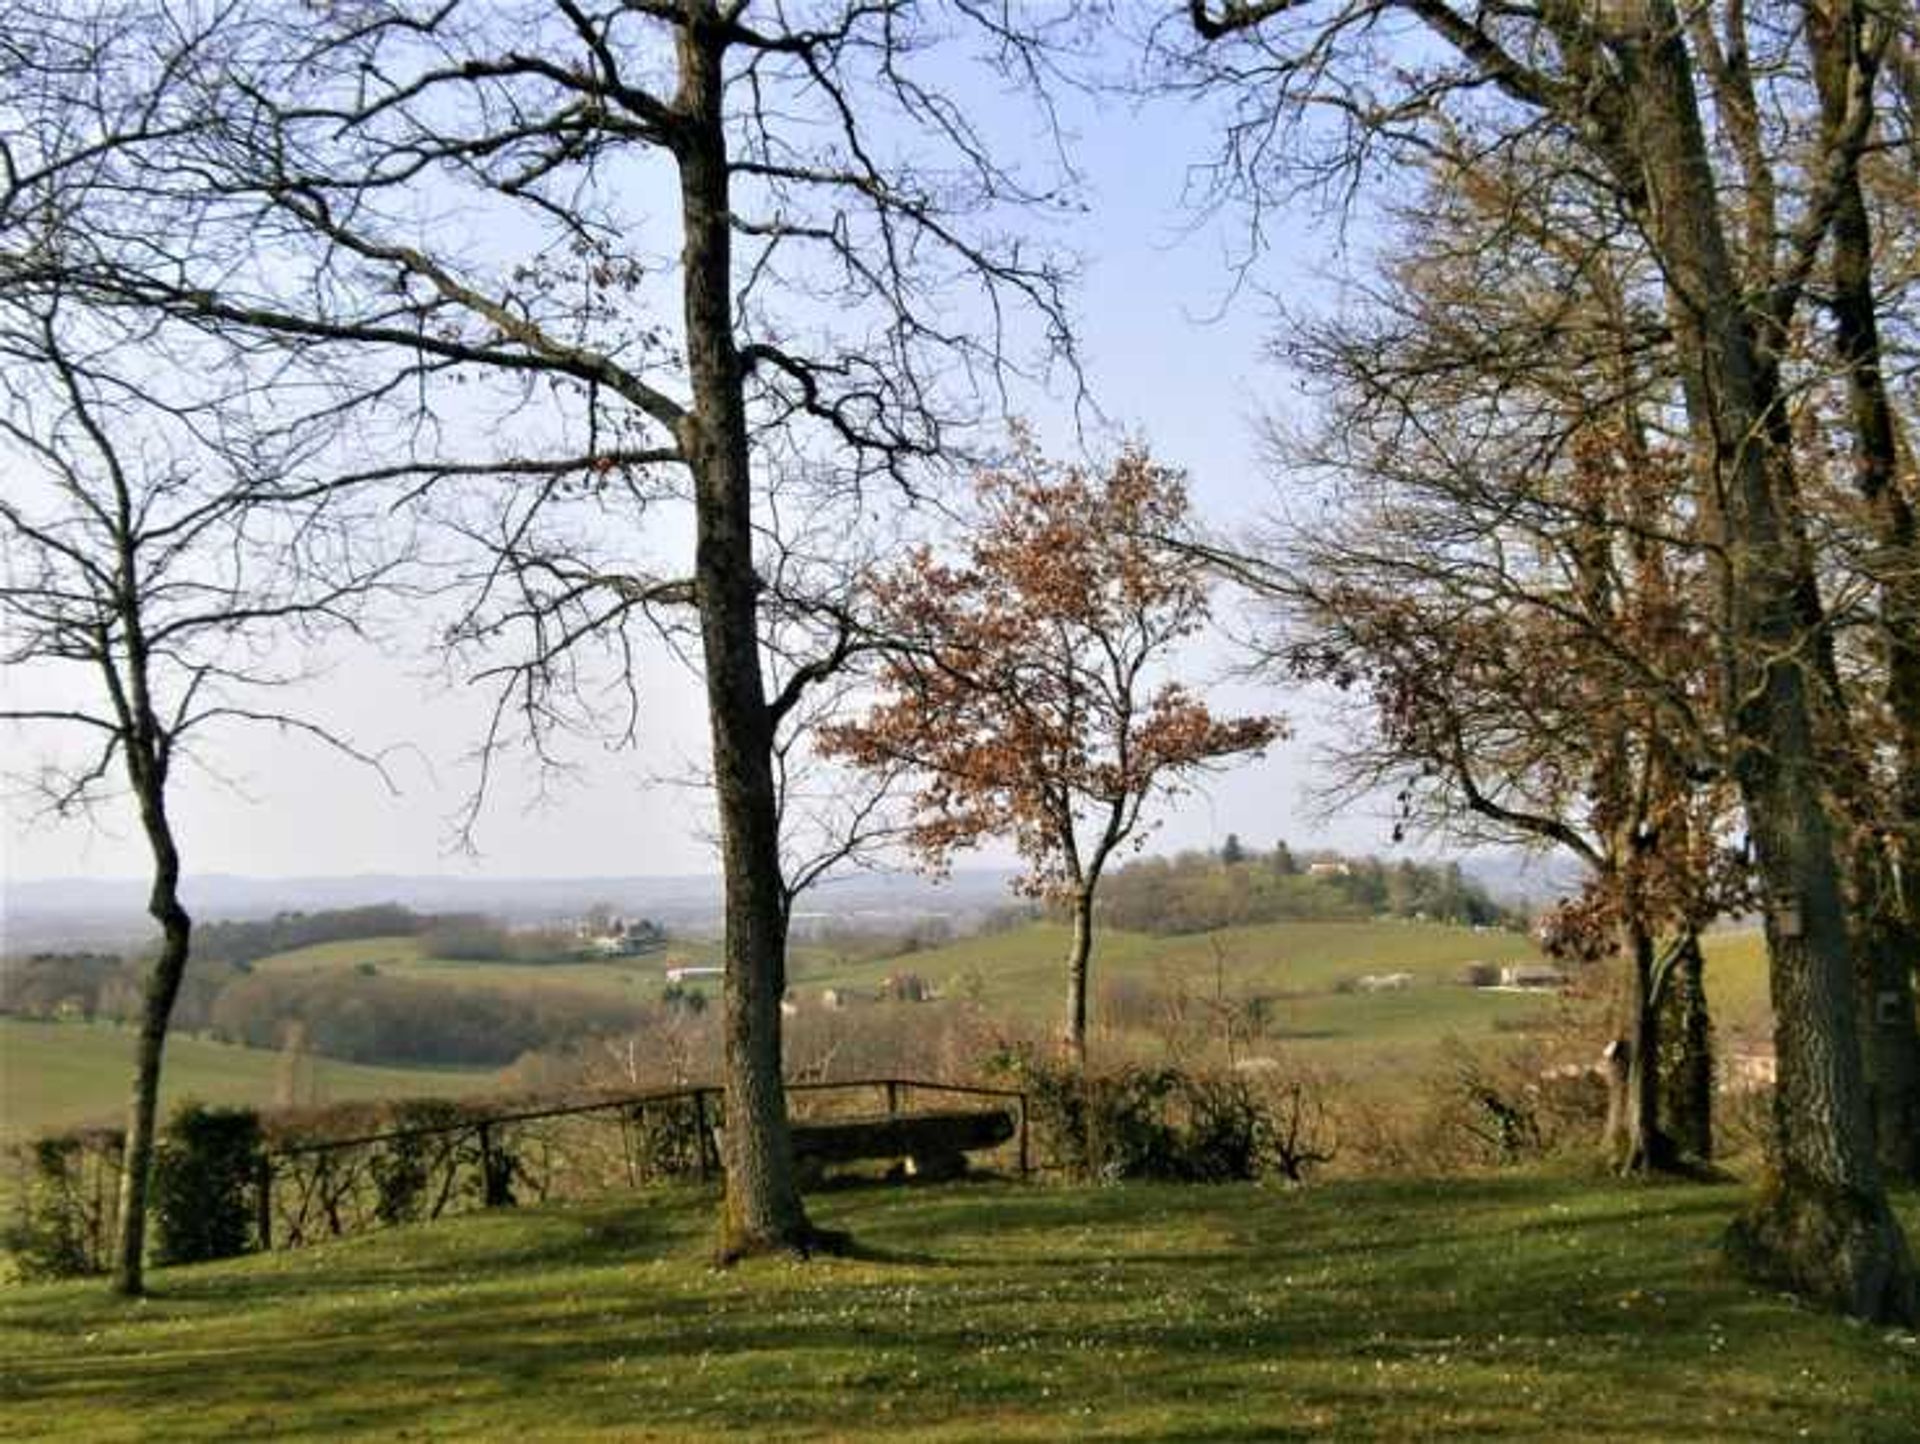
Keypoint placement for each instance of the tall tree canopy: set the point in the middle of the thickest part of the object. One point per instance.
(627, 258)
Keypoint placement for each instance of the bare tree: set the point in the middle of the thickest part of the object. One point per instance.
(1621, 86)
(1491, 561)
(680, 244)
(161, 560)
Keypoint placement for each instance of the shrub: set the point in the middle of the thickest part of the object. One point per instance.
(64, 1193)
(1161, 1123)
(206, 1171)
(415, 1174)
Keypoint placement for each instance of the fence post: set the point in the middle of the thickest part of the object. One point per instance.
(263, 1200)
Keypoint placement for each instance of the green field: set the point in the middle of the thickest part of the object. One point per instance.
(1528, 1306)
(1023, 967)
(1019, 973)
(55, 1074)
(58, 1074)
(406, 957)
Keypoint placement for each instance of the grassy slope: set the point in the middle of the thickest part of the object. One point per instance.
(1020, 974)
(403, 957)
(1522, 1306)
(1736, 976)
(63, 1073)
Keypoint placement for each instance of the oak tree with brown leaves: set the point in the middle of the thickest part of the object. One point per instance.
(1023, 681)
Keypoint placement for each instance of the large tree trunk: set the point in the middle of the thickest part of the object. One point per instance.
(163, 987)
(1823, 1225)
(763, 1211)
(1642, 1147)
(1889, 933)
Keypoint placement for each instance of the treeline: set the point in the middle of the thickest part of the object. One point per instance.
(1198, 891)
(249, 940)
(374, 1019)
(101, 985)
(355, 1014)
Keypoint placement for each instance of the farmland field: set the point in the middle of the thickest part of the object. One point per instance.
(55, 1074)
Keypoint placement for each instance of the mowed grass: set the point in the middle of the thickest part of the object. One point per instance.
(59, 1074)
(1528, 1306)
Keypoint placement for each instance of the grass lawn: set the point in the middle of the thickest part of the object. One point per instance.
(1523, 1307)
(57, 1074)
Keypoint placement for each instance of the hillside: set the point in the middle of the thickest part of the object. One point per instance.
(54, 1074)
(1527, 1306)
(1301, 966)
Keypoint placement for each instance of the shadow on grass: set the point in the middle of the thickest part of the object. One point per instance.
(1497, 1306)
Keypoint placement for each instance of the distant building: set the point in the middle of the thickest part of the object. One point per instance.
(1328, 869)
(1750, 1069)
(1542, 977)
(616, 937)
(693, 974)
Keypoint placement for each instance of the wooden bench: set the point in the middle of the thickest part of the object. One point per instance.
(933, 1143)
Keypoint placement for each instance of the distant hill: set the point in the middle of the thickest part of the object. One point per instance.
(109, 912)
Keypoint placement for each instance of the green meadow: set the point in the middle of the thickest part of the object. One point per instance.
(58, 1074)
(1523, 1306)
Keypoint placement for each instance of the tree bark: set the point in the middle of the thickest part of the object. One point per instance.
(763, 1210)
(1686, 1081)
(163, 987)
(1643, 1148)
(1823, 1225)
(1073, 1037)
(1889, 934)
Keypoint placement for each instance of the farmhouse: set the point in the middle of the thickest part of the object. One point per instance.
(1542, 977)
(620, 937)
(693, 974)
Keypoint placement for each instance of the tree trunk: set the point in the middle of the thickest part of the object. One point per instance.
(1889, 937)
(163, 987)
(1823, 1225)
(1073, 1037)
(1686, 1055)
(1890, 1041)
(1642, 1146)
(763, 1211)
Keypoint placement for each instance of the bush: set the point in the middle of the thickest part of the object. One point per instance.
(205, 1177)
(415, 1175)
(64, 1193)
(1160, 1123)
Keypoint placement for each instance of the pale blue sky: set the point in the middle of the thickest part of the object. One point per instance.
(1174, 357)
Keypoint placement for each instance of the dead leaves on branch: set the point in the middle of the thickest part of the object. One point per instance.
(1022, 678)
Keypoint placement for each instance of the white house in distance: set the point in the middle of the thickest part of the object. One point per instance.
(617, 937)
(1534, 977)
(688, 973)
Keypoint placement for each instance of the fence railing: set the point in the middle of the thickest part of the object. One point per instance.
(333, 1187)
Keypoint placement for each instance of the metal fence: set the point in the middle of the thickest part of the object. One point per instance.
(334, 1187)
